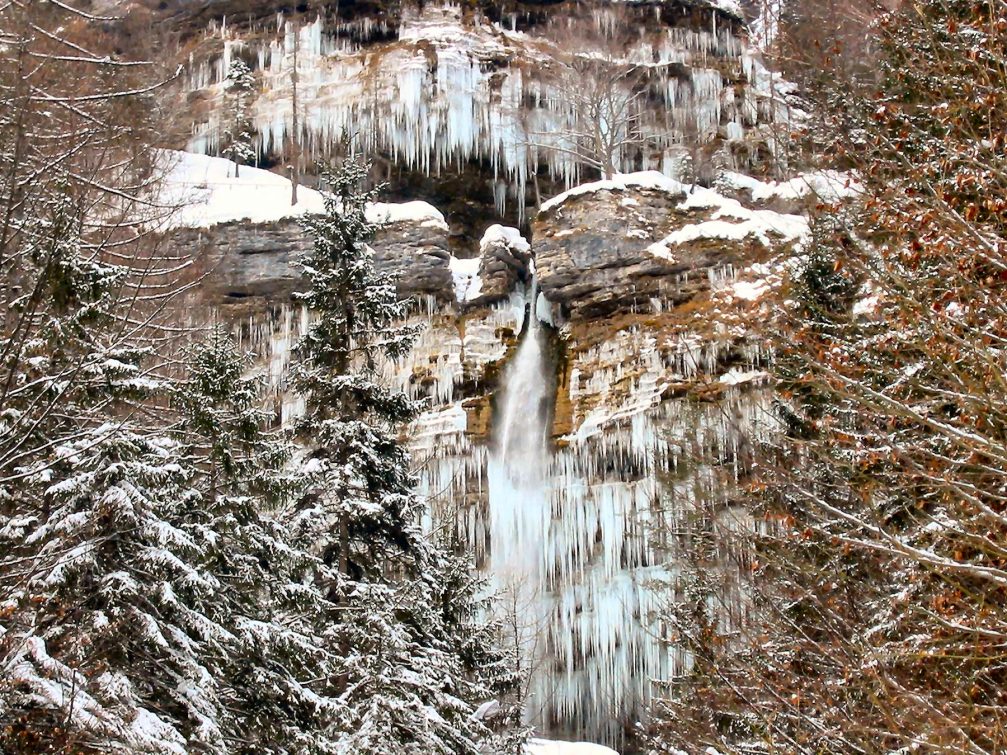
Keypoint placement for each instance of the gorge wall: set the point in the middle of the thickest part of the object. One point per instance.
(591, 377)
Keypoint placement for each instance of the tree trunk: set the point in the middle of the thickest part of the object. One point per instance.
(344, 546)
(295, 176)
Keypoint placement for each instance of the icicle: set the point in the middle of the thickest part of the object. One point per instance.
(439, 99)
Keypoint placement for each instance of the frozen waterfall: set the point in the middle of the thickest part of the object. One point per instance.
(574, 614)
(580, 536)
(518, 493)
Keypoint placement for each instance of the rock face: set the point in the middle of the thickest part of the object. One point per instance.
(643, 244)
(649, 288)
(443, 90)
(591, 255)
(417, 256)
(256, 259)
(646, 285)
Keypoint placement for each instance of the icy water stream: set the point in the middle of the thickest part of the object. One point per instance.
(574, 614)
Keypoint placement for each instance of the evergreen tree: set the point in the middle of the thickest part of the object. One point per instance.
(112, 637)
(269, 602)
(359, 506)
(104, 628)
(239, 133)
(404, 683)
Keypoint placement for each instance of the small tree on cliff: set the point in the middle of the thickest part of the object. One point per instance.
(403, 628)
(597, 94)
(239, 134)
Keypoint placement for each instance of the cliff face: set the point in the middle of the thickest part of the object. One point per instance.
(648, 410)
(488, 100)
(638, 290)
(253, 260)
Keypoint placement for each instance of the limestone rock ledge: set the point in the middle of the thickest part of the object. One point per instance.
(654, 285)
(244, 259)
(245, 236)
(644, 243)
(504, 257)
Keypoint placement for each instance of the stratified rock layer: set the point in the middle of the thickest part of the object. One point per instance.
(258, 260)
(591, 254)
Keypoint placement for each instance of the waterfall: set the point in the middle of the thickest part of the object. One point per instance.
(574, 618)
(518, 494)
(564, 559)
(580, 538)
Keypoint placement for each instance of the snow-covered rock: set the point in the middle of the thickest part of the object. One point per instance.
(246, 234)
(198, 191)
(505, 258)
(792, 194)
(644, 180)
(643, 241)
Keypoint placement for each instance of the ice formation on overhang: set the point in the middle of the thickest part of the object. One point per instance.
(454, 88)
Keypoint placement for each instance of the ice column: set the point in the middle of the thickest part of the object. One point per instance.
(518, 494)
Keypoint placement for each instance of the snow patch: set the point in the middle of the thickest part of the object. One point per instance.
(422, 213)
(647, 179)
(827, 186)
(739, 376)
(749, 290)
(203, 191)
(761, 224)
(549, 747)
(731, 7)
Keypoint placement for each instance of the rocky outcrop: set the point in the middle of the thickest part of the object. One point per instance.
(245, 260)
(417, 256)
(591, 251)
(643, 243)
(504, 257)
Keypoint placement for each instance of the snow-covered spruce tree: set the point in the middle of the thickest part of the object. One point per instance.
(403, 679)
(883, 590)
(238, 132)
(106, 632)
(102, 629)
(269, 601)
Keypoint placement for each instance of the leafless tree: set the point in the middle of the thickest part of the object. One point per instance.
(597, 106)
(295, 148)
(880, 579)
(593, 100)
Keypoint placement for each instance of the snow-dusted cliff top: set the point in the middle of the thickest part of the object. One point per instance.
(205, 192)
(647, 179)
(729, 219)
